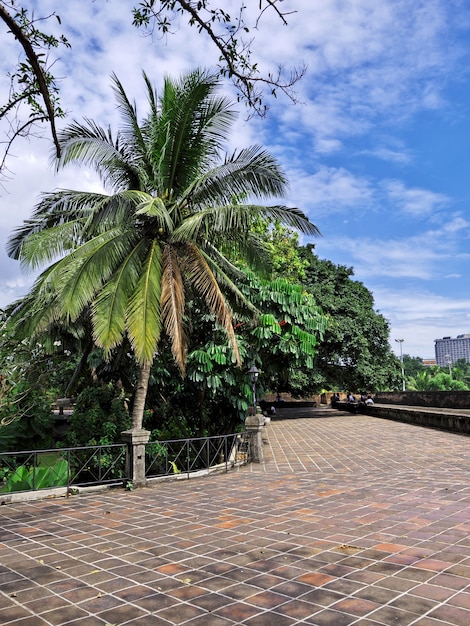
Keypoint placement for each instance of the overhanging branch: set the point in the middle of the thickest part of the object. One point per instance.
(38, 72)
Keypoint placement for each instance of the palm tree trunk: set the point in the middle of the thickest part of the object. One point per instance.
(140, 396)
(79, 369)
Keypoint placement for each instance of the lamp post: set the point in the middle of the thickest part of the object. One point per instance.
(400, 341)
(253, 373)
(449, 363)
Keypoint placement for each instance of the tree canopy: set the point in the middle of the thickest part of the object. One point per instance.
(355, 353)
(131, 258)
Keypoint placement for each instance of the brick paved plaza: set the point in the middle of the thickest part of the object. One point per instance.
(350, 520)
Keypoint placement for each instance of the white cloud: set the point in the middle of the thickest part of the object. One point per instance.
(329, 191)
(424, 256)
(387, 154)
(372, 258)
(365, 59)
(414, 201)
(419, 316)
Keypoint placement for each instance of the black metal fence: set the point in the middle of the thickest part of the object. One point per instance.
(186, 456)
(34, 470)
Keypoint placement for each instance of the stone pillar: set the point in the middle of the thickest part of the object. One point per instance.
(254, 425)
(136, 440)
(264, 434)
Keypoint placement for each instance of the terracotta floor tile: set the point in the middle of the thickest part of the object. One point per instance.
(450, 581)
(355, 606)
(268, 619)
(433, 592)
(35, 620)
(100, 603)
(298, 609)
(266, 599)
(238, 611)
(12, 613)
(335, 528)
(461, 599)
(329, 617)
(378, 595)
(64, 614)
(315, 579)
(453, 615)
(121, 614)
(42, 605)
(147, 620)
(391, 615)
(208, 620)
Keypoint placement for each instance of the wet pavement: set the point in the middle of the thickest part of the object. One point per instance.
(350, 520)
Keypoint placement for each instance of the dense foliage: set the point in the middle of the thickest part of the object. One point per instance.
(435, 379)
(355, 353)
(31, 377)
(134, 264)
(99, 417)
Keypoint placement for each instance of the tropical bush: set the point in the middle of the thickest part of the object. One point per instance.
(49, 471)
(99, 416)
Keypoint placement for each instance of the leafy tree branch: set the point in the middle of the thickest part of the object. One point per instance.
(34, 88)
(32, 83)
(235, 60)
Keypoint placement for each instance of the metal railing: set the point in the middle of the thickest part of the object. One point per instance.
(34, 470)
(187, 456)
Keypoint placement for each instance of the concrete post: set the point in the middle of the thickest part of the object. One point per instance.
(264, 434)
(254, 425)
(136, 440)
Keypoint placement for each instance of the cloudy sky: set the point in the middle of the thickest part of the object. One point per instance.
(377, 148)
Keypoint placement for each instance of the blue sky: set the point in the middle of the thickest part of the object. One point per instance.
(377, 150)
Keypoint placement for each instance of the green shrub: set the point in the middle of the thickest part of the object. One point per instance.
(49, 472)
(99, 416)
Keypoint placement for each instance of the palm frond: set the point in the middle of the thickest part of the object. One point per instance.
(55, 209)
(291, 217)
(249, 173)
(49, 244)
(37, 311)
(144, 311)
(193, 125)
(86, 143)
(236, 219)
(80, 276)
(131, 130)
(225, 276)
(172, 301)
(90, 145)
(250, 248)
(203, 280)
(109, 308)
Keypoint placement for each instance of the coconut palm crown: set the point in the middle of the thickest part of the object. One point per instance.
(129, 256)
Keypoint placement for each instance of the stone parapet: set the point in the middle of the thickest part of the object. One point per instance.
(441, 399)
(451, 420)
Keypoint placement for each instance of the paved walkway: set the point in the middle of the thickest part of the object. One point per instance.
(350, 520)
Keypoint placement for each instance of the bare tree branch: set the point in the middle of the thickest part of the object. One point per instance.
(42, 82)
(235, 51)
(34, 87)
(33, 97)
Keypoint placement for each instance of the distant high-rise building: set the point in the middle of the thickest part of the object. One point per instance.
(449, 349)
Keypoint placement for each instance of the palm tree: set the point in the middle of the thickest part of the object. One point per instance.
(129, 257)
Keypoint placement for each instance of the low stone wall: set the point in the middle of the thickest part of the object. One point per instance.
(450, 420)
(443, 399)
